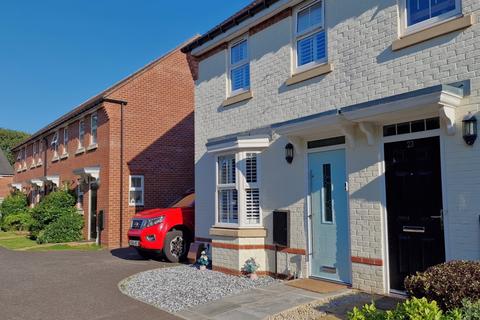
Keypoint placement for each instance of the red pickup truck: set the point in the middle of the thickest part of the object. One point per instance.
(166, 232)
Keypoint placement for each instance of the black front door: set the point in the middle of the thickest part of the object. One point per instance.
(414, 207)
(93, 212)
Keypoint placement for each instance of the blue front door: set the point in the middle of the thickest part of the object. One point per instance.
(329, 216)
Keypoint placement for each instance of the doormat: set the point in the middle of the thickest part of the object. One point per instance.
(317, 286)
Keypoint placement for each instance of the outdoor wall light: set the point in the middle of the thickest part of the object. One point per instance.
(289, 151)
(470, 129)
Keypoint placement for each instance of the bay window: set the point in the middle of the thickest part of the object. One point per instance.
(238, 190)
(310, 36)
(239, 67)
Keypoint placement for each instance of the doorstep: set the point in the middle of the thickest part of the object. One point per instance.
(258, 303)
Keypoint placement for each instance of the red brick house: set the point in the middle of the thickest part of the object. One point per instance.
(6, 176)
(127, 149)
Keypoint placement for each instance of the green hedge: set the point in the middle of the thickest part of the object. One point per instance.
(20, 221)
(14, 203)
(66, 228)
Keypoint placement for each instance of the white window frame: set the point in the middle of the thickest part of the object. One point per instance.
(80, 192)
(93, 137)
(142, 189)
(66, 138)
(40, 151)
(25, 158)
(54, 143)
(81, 134)
(34, 154)
(241, 185)
(241, 63)
(405, 29)
(306, 33)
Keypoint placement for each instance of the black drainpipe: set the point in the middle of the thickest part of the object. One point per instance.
(122, 105)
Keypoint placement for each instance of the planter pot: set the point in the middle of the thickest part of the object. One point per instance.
(253, 276)
(202, 267)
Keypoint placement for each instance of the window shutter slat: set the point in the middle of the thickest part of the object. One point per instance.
(252, 206)
(321, 46)
(251, 167)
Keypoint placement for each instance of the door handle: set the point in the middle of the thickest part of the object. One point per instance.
(413, 229)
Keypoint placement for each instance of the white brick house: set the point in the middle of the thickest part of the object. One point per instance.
(371, 95)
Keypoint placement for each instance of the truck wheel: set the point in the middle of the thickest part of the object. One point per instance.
(175, 246)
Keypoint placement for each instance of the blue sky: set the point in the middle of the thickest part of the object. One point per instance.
(55, 54)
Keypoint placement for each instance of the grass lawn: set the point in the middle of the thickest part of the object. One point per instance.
(13, 241)
(63, 247)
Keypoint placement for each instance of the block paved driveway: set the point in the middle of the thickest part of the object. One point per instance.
(71, 285)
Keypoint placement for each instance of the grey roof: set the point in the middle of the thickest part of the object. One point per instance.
(5, 167)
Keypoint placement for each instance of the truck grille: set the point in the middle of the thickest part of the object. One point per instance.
(137, 224)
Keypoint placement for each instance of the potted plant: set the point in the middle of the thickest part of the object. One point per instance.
(203, 260)
(250, 267)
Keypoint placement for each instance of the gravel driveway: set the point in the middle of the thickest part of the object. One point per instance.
(72, 285)
(175, 289)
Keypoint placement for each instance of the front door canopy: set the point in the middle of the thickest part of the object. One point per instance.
(441, 99)
(88, 172)
(55, 180)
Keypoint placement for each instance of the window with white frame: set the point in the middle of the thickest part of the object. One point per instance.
(34, 153)
(310, 36)
(239, 67)
(136, 191)
(238, 190)
(54, 145)
(65, 140)
(79, 197)
(40, 151)
(81, 133)
(417, 14)
(25, 158)
(227, 190)
(93, 129)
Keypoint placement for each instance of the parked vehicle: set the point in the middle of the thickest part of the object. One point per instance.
(167, 232)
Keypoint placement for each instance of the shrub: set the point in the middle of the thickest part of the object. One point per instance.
(20, 221)
(50, 209)
(413, 309)
(66, 228)
(447, 283)
(14, 203)
(470, 310)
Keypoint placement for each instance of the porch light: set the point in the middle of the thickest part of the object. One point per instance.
(289, 151)
(470, 129)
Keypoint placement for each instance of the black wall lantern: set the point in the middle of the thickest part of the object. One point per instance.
(470, 129)
(289, 151)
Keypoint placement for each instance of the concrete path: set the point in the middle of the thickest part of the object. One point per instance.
(72, 285)
(256, 304)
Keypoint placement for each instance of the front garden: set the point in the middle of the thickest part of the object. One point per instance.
(51, 225)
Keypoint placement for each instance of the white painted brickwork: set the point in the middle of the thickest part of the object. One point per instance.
(360, 35)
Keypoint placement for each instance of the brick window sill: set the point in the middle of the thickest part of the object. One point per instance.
(310, 74)
(238, 232)
(237, 98)
(441, 29)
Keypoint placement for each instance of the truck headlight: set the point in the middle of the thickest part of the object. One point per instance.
(155, 221)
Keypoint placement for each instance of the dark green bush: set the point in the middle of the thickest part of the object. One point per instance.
(14, 203)
(413, 309)
(50, 209)
(448, 283)
(66, 228)
(20, 221)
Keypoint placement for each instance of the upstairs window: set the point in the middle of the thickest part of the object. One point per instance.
(136, 191)
(34, 154)
(40, 151)
(93, 129)
(310, 35)
(54, 145)
(239, 67)
(423, 13)
(81, 133)
(65, 140)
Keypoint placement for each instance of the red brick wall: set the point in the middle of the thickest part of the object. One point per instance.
(158, 143)
(4, 186)
(159, 136)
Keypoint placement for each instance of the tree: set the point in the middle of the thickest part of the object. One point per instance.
(9, 139)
